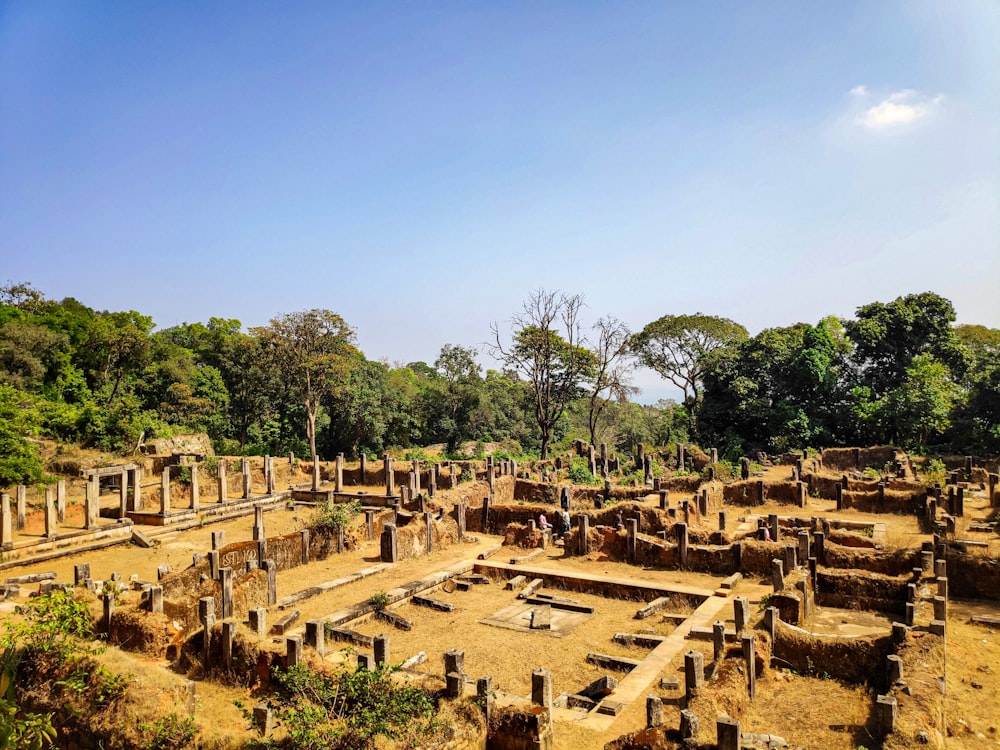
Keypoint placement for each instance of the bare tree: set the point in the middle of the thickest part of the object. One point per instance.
(612, 366)
(548, 349)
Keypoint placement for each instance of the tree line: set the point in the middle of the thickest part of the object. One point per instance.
(899, 372)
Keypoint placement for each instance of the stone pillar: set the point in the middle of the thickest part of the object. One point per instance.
(92, 505)
(389, 551)
(271, 480)
(50, 515)
(316, 636)
(390, 478)
(694, 672)
(363, 469)
(894, 669)
(122, 498)
(940, 608)
(940, 568)
(727, 733)
(213, 564)
(803, 551)
(722, 520)
(460, 520)
(223, 484)
(454, 661)
(583, 532)
(777, 575)
(680, 456)
(206, 615)
(819, 544)
(6, 523)
(165, 491)
(703, 503)
(226, 580)
(258, 523)
(994, 479)
(195, 488)
(718, 640)
(156, 599)
(381, 646)
(247, 480)
(293, 651)
(338, 474)
(541, 688)
(744, 468)
(715, 455)
(771, 621)
(772, 522)
(664, 499)
(228, 636)
(647, 469)
(689, 727)
(840, 495)
(428, 532)
(486, 696)
(109, 610)
(271, 568)
(258, 621)
(315, 474)
(886, 712)
(416, 476)
(741, 612)
(654, 711)
(22, 501)
(633, 529)
(681, 530)
(942, 587)
(790, 558)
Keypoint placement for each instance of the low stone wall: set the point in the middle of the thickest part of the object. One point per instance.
(857, 660)
(869, 591)
(920, 721)
(971, 576)
(887, 562)
(849, 459)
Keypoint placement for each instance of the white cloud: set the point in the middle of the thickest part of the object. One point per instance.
(860, 90)
(899, 108)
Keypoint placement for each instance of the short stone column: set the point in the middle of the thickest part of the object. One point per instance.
(886, 712)
(654, 711)
(136, 483)
(485, 695)
(741, 613)
(315, 474)
(92, 504)
(541, 688)
(380, 645)
(316, 636)
(21, 493)
(122, 498)
(338, 475)
(583, 533)
(750, 661)
(727, 733)
(718, 641)
(222, 481)
(390, 478)
(681, 530)
(389, 544)
(777, 575)
(694, 672)
(206, 615)
(6, 523)
(772, 522)
(165, 491)
(108, 600)
(195, 488)
(226, 581)
(50, 515)
(257, 620)
(293, 651)
(271, 569)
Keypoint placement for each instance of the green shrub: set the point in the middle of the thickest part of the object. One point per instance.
(579, 472)
(335, 515)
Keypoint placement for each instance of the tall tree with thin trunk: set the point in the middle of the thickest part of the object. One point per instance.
(612, 365)
(315, 353)
(547, 349)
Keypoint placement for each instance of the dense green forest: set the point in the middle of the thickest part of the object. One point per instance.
(899, 372)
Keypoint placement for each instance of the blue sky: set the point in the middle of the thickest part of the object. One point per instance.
(420, 167)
